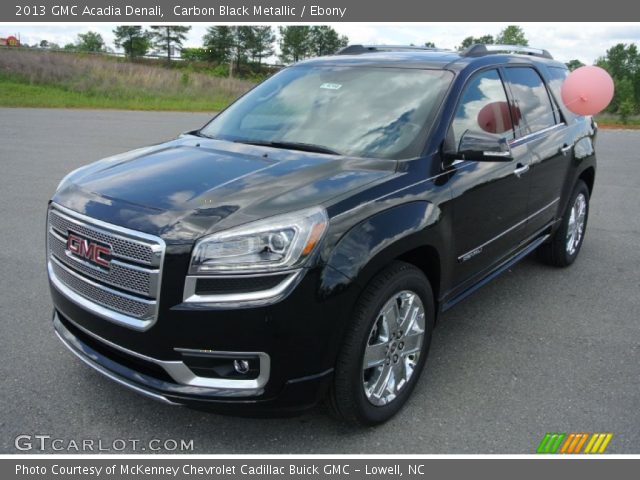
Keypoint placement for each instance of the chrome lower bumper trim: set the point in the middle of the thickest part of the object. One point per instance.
(100, 369)
(183, 376)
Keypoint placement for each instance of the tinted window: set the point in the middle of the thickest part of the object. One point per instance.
(483, 108)
(360, 111)
(532, 109)
(557, 76)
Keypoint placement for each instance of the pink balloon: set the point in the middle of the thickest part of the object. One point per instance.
(587, 90)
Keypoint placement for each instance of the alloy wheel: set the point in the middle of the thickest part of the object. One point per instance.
(393, 348)
(577, 218)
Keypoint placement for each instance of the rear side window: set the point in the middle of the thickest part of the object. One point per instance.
(483, 108)
(532, 109)
(557, 76)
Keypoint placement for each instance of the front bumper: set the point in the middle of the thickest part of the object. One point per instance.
(141, 323)
(111, 361)
(295, 340)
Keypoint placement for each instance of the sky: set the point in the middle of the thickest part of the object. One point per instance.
(583, 41)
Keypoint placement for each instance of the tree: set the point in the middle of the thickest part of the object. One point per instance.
(294, 43)
(90, 42)
(624, 98)
(244, 37)
(48, 45)
(219, 42)
(132, 39)
(622, 61)
(167, 37)
(238, 44)
(429, 44)
(574, 64)
(261, 43)
(194, 54)
(486, 40)
(324, 40)
(627, 108)
(512, 35)
(468, 41)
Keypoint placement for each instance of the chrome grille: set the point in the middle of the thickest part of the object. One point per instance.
(133, 279)
(128, 291)
(107, 298)
(138, 251)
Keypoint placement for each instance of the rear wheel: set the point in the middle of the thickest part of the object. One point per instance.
(565, 244)
(385, 348)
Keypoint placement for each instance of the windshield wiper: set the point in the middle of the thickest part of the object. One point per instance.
(304, 147)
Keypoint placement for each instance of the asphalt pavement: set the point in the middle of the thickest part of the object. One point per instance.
(538, 350)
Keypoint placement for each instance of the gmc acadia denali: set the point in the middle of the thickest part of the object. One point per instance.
(301, 245)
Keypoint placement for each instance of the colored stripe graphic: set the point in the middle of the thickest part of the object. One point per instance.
(567, 444)
(551, 442)
(598, 443)
(572, 443)
(581, 442)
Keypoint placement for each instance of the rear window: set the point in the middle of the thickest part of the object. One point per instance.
(533, 108)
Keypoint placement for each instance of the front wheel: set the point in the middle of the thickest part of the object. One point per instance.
(564, 246)
(385, 348)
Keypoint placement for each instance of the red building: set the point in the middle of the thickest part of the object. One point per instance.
(10, 41)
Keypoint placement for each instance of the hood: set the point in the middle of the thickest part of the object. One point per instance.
(193, 186)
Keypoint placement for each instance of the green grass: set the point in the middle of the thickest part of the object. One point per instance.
(16, 92)
(611, 120)
(33, 78)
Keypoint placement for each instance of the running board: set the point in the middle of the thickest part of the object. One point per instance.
(500, 269)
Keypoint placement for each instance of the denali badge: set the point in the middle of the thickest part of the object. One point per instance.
(96, 253)
(469, 255)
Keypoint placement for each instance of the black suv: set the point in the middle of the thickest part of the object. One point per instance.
(301, 245)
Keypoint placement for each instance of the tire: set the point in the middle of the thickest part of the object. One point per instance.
(562, 250)
(405, 286)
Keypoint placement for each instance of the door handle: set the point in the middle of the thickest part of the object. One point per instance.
(566, 149)
(521, 169)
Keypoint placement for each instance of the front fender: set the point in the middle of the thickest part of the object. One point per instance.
(374, 242)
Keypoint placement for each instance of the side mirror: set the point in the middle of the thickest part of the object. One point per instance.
(482, 147)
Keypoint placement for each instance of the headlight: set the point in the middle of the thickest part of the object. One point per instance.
(276, 243)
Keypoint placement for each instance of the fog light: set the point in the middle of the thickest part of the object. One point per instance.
(230, 365)
(241, 366)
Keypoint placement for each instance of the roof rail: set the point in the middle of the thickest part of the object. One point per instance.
(480, 49)
(359, 49)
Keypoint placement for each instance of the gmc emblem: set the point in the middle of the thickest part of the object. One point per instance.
(96, 253)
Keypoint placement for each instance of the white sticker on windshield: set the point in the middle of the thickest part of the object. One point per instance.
(331, 86)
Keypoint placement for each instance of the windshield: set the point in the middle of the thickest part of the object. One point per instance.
(356, 111)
